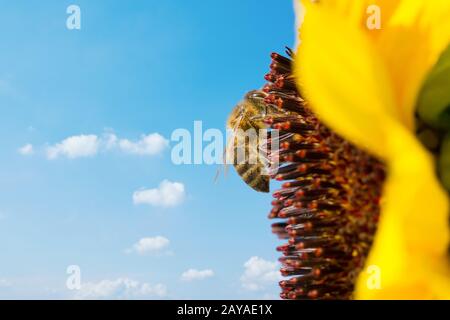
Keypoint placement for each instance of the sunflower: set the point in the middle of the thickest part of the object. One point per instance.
(373, 87)
(329, 199)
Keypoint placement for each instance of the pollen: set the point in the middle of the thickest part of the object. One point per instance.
(328, 203)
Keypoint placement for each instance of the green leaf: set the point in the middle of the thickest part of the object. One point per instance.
(434, 99)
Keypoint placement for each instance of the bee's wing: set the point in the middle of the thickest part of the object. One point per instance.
(228, 149)
(269, 150)
(267, 147)
(259, 149)
(225, 167)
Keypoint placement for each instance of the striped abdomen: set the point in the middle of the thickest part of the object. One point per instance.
(253, 175)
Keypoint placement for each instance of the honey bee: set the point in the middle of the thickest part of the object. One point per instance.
(247, 116)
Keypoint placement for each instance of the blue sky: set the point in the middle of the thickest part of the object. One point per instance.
(135, 68)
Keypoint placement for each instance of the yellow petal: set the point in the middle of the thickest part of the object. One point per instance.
(410, 247)
(413, 35)
(358, 12)
(349, 82)
(344, 78)
(410, 45)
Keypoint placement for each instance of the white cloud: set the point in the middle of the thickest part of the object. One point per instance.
(75, 147)
(258, 273)
(194, 274)
(26, 150)
(168, 194)
(149, 245)
(109, 140)
(270, 296)
(121, 288)
(151, 144)
(5, 283)
(89, 145)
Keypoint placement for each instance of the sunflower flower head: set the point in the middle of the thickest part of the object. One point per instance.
(329, 199)
(369, 85)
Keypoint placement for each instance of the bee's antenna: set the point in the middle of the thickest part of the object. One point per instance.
(289, 52)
